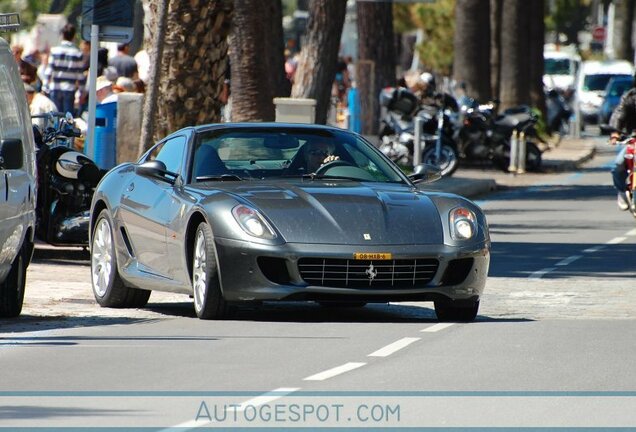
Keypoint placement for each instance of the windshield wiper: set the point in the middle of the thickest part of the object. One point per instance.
(223, 177)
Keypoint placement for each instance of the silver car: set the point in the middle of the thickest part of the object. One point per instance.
(239, 213)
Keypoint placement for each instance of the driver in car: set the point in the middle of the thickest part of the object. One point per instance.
(317, 154)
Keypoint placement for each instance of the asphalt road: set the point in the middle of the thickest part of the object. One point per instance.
(552, 346)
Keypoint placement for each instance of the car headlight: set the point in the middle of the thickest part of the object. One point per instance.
(463, 225)
(252, 222)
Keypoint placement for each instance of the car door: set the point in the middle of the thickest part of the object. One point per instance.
(15, 181)
(148, 204)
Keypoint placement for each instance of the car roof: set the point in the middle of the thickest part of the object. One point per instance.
(269, 125)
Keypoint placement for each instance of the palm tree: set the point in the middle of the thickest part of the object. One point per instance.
(317, 65)
(515, 72)
(193, 65)
(376, 51)
(256, 57)
(472, 47)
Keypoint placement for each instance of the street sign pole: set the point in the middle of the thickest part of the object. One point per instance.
(92, 97)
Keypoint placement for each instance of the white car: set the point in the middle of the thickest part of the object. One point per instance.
(591, 82)
(17, 182)
(560, 69)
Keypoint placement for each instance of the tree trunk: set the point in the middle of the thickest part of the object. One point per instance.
(515, 73)
(193, 64)
(472, 48)
(496, 8)
(624, 29)
(376, 45)
(535, 54)
(282, 87)
(256, 59)
(317, 64)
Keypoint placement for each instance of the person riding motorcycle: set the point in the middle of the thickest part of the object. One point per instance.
(623, 120)
(426, 91)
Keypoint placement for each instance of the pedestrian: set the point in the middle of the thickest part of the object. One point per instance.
(64, 74)
(38, 104)
(104, 92)
(125, 64)
(623, 120)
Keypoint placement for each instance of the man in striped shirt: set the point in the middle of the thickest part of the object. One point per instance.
(64, 74)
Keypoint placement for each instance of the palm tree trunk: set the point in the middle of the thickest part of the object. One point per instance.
(472, 47)
(496, 7)
(317, 65)
(376, 45)
(256, 59)
(193, 64)
(535, 54)
(515, 72)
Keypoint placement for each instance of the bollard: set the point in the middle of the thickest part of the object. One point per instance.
(417, 142)
(347, 123)
(514, 151)
(521, 156)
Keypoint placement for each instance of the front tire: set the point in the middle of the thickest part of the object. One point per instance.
(108, 287)
(448, 311)
(12, 289)
(208, 298)
(449, 160)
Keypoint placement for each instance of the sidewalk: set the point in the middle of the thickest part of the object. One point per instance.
(567, 156)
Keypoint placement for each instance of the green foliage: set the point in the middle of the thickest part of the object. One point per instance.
(403, 18)
(438, 22)
(289, 6)
(28, 9)
(568, 17)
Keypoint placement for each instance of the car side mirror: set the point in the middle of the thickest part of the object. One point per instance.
(425, 173)
(11, 154)
(158, 170)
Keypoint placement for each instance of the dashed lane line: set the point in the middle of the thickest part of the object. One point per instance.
(616, 240)
(436, 327)
(631, 232)
(539, 274)
(330, 373)
(267, 397)
(394, 347)
(569, 260)
(594, 249)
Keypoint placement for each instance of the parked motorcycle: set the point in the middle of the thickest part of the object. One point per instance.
(66, 181)
(487, 136)
(397, 130)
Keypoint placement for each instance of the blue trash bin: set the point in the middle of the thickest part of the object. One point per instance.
(354, 111)
(105, 137)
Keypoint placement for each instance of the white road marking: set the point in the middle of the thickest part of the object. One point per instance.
(330, 373)
(594, 249)
(616, 240)
(569, 260)
(394, 347)
(631, 233)
(267, 397)
(539, 274)
(437, 327)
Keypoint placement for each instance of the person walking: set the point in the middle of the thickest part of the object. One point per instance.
(64, 74)
(125, 64)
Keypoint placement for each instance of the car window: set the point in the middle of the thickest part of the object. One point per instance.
(10, 126)
(170, 152)
(259, 154)
(557, 66)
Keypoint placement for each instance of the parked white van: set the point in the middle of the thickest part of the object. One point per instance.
(591, 82)
(560, 69)
(17, 182)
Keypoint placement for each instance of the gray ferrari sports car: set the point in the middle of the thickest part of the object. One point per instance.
(237, 213)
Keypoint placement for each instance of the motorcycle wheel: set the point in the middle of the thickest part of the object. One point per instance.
(533, 157)
(449, 160)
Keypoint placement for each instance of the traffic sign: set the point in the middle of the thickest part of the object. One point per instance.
(598, 33)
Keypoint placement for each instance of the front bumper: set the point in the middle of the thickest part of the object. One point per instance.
(243, 277)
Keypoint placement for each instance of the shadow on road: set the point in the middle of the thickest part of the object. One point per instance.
(46, 254)
(30, 323)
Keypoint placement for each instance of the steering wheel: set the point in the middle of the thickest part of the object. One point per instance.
(333, 164)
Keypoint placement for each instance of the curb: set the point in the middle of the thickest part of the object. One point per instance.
(568, 165)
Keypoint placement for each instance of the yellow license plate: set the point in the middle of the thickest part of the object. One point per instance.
(372, 256)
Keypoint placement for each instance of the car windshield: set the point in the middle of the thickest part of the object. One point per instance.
(618, 87)
(557, 66)
(257, 154)
(597, 82)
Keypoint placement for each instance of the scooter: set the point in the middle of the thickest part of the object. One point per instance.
(66, 182)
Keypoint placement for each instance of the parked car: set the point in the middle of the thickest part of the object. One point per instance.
(17, 185)
(560, 69)
(613, 92)
(591, 82)
(239, 213)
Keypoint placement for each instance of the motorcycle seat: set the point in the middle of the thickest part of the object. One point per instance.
(514, 121)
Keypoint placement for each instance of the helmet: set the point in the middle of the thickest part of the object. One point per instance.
(428, 79)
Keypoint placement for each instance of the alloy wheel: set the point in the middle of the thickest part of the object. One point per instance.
(199, 268)
(102, 257)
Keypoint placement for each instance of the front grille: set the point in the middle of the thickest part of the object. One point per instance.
(349, 273)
